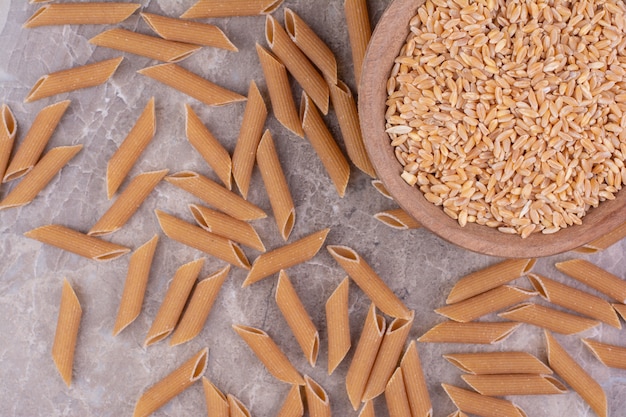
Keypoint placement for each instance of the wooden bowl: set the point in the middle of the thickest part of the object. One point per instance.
(385, 45)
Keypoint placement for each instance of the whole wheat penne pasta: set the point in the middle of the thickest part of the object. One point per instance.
(359, 32)
(279, 88)
(549, 318)
(338, 325)
(367, 410)
(127, 203)
(8, 130)
(216, 402)
(199, 307)
(621, 309)
(296, 63)
(348, 117)
(610, 355)
(269, 354)
(195, 33)
(208, 147)
(66, 333)
(514, 384)
(249, 137)
(218, 8)
(236, 407)
(294, 253)
(72, 79)
(215, 195)
(574, 375)
(317, 400)
(226, 226)
(367, 279)
(34, 143)
(397, 219)
(135, 285)
(415, 383)
(131, 148)
(95, 13)
(191, 84)
(484, 333)
(292, 406)
(595, 277)
(380, 187)
(605, 241)
(574, 299)
(173, 384)
(40, 176)
(276, 185)
(396, 397)
(488, 363)
(76, 242)
(481, 405)
(174, 302)
(364, 356)
(488, 278)
(200, 239)
(485, 303)
(324, 144)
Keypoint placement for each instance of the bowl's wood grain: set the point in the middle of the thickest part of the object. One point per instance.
(385, 44)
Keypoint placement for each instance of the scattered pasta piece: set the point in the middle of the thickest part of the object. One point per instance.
(317, 400)
(66, 333)
(367, 410)
(95, 13)
(397, 219)
(481, 405)
(8, 130)
(338, 325)
(380, 187)
(415, 383)
(226, 226)
(292, 406)
(359, 31)
(514, 384)
(219, 8)
(396, 397)
(216, 402)
(595, 277)
(621, 309)
(236, 407)
(485, 333)
(605, 241)
(490, 363)
(610, 355)
(549, 318)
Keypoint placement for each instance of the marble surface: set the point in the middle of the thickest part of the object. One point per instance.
(110, 373)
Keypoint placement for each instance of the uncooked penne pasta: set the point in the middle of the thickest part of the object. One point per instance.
(72, 79)
(380, 187)
(173, 384)
(286, 256)
(72, 241)
(595, 277)
(297, 63)
(474, 403)
(549, 318)
(488, 278)
(66, 333)
(324, 144)
(369, 281)
(215, 195)
(396, 397)
(276, 185)
(8, 130)
(277, 80)
(191, 84)
(269, 354)
(317, 400)
(397, 219)
(359, 32)
(610, 355)
(489, 363)
(40, 176)
(605, 241)
(249, 137)
(131, 148)
(199, 307)
(236, 407)
(219, 8)
(292, 406)
(226, 226)
(35, 141)
(127, 203)
(95, 13)
(194, 33)
(621, 309)
(415, 383)
(174, 302)
(135, 285)
(367, 410)
(200, 239)
(338, 325)
(216, 402)
(484, 333)
(574, 375)
(514, 384)
(208, 147)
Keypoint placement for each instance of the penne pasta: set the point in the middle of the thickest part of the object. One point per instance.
(549, 318)
(317, 400)
(338, 325)
(66, 333)
(380, 187)
(397, 219)
(605, 241)
(40, 176)
(415, 383)
(396, 397)
(269, 354)
(236, 407)
(72, 79)
(199, 307)
(325, 146)
(286, 256)
(8, 130)
(127, 203)
(276, 185)
(95, 13)
(208, 147)
(249, 138)
(292, 406)
(135, 285)
(191, 84)
(489, 363)
(131, 148)
(297, 63)
(594, 277)
(514, 384)
(367, 410)
(215, 195)
(174, 301)
(359, 32)
(610, 355)
(218, 8)
(173, 384)
(226, 226)
(367, 279)
(621, 309)
(200, 239)
(216, 402)
(279, 88)
(35, 141)
(484, 333)
(80, 244)
(473, 403)
(194, 33)
(489, 278)
(574, 375)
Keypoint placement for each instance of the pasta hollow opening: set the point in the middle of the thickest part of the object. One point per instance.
(345, 252)
(289, 224)
(397, 324)
(558, 384)
(529, 266)
(390, 220)
(304, 107)
(290, 24)
(182, 56)
(241, 256)
(269, 31)
(110, 255)
(506, 334)
(458, 364)
(184, 174)
(17, 174)
(158, 337)
(36, 87)
(538, 286)
(317, 390)
(315, 347)
(197, 215)
(250, 330)
(272, 7)
(200, 367)
(380, 323)
(9, 121)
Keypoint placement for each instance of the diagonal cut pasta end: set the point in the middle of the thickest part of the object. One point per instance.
(7, 122)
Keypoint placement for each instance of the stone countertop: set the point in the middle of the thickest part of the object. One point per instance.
(110, 373)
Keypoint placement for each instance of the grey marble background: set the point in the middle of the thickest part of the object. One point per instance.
(111, 373)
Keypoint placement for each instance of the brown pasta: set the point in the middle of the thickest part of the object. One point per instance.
(621, 309)
(605, 241)
(8, 130)
(236, 407)
(367, 410)
(396, 396)
(610, 355)
(380, 187)
(292, 406)
(397, 219)
(474, 332)
(219, 8)
(226, 226)
(66, 333)
(489, 363)
(216, 402)
(95, 13)
(415, 383)
(338, 325)
(473, 403)
(514, 384)
(548, 318)
(359, 31)
(317, 400)
(595, 277)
